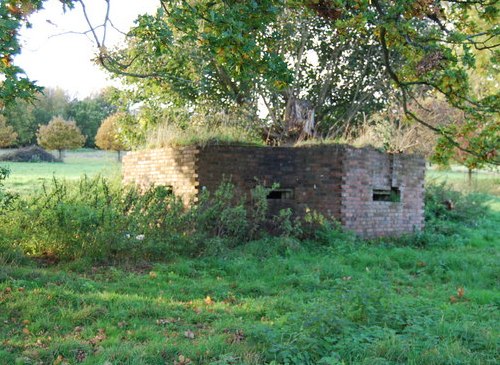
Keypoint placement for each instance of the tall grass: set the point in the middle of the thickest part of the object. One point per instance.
(168, 135)
(96, 219)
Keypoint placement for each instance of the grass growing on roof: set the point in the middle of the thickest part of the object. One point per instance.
(172, 136)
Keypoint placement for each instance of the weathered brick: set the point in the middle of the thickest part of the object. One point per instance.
(335, 180)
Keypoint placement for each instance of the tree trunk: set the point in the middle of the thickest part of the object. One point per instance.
(60, 155)
(119, 155)
(469, 177)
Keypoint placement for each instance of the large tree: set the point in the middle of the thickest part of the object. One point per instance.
(232, 53)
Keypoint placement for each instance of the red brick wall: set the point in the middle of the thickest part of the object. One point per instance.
(314, 176)
(336, 180)
(366, 170)
(173, 167)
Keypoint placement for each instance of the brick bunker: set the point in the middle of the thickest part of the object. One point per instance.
(369, 192)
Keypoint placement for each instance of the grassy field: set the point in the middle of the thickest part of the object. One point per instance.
(428, 299)
(266, 303)
(484, 181)
(26, 177)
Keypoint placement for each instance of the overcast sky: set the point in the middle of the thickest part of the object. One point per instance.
(55, 57)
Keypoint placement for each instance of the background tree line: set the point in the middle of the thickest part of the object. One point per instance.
(300, 69)
(24, 117)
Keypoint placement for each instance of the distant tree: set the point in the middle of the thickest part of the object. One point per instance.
(7, 134)
(26, 116)
(107, 137)
(60, 135)
(49, 103)
(88, 115)
(20, 115)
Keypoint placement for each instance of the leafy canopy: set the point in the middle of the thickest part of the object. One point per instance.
(60, 135)
(221, 54)
(7, 134)
(234, 53)
(107, 137)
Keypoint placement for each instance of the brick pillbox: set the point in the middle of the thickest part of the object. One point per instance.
(371, 193)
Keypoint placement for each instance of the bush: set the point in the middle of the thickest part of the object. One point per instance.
(7, 134)
(447, 213)
(29, 154)
(444, 204)
(102, 221)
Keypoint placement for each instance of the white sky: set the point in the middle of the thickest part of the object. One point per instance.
(65, 61)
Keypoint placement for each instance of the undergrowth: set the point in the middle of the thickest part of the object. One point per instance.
(102, 221)
(127, 290)
(98, 220)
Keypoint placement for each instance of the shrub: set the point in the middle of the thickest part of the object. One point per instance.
(29, 154)
(6, 198)
(447, 213)
(444, 204)
(102, 221)
(96, 219)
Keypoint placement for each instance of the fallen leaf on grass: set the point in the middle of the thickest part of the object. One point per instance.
(182, 361)
(189, 334)
(101, 336)
(237, 337)
(59, 360)
(208, 301)
(164, 321)
(80, 355)
(39, 343)
(460, 296)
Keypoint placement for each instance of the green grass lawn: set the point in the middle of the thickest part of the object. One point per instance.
(484, 181)
(26, 176)
(265, 303)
